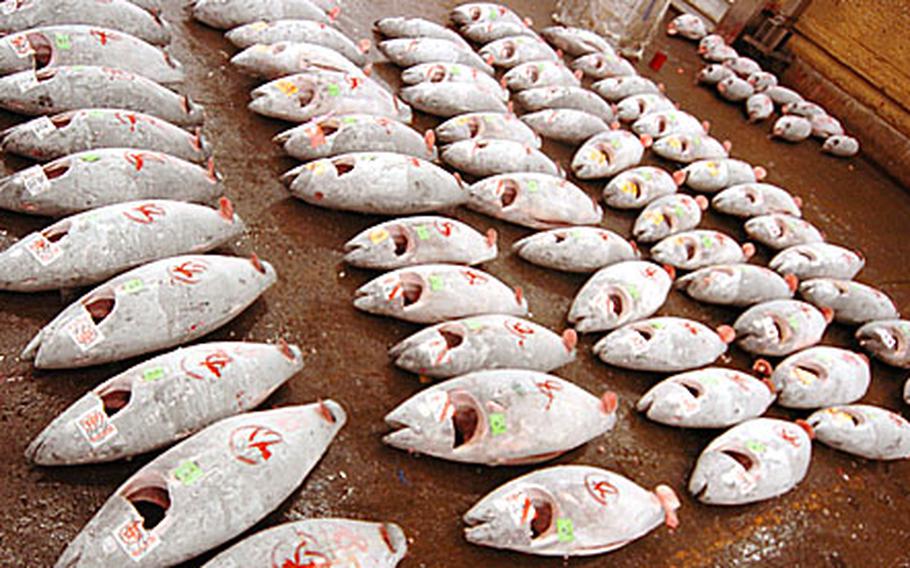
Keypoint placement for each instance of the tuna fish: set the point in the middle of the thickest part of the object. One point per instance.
(277, 60)
(500, 417)
(309, 31)
(544, 73)
(566, 125)
(755, 199)
(179, 392)
(666, 122)
(486, 125)
(743, 66)
(454, 73)
(761, 80)
(569, 510)
(606, 154)
(579, 249)
(694, 249)
(759, 107)
(713, 397)
(407, 52)
(819, 376)
(735, 89)
(841, 146)
(93, 246)
(58, 89)
(565, 97)
(634, 107)
(227, 14)
(688, 26)
(780, 327)
(432, 293)
(778, 231)
(737, 285)
(576, 41)
(450, 99)
(806, 109)
(853, 303)
(618, 294)
(478, 12)
(719, 53)
(400, 27)
(58, 46)
(486, 32)
(539, 201)
(667, 216)
(48, 138)
(604, 65)
(818, 260)
(709, 42)
(95, 178)
(383, 183)
(207, 489)
(782, 95)
(753, 461)
(635, 188)
(617, 88)
(688, 148)
(319, 541)
(825, 126)
(477, 343)
(17, 16)
(888, 340)
(709, 176)
(419, 240)
(867, 431)
(511, 51)
(488, 157)
(663, 344)
(791, 128)
(713, 74)
(155, 306)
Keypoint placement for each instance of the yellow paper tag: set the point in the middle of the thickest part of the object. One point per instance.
(378, 236)
(286, 87)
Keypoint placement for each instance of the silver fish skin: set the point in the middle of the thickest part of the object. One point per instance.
(508, 52)
(604, 65)
(542, 73)
(577, 249)
(614, 89)
(336, 541)
(478, 343)
(743, 66)
(719, 53)
(735, 89)
(791, 128)
(111, 421)
(294, 30)
(713, 397)
(96, 178)
(825, 126)
(710, 41)
(500, 417)
(409, 241)
(637, 187)
(155, 306)
(759, 107)
(117, 14)
(779, 231)
(567, 125)
(228, 14)
(487, 32)
(762, 80)
(328, 136)
(576, 42)
(211, 487)
(478, 12)
(382, 183)
(487, 125)
(780, 327)
(818, 260)
(432, 293)
(634, 107)
(710, 176)
(888, 340)
(753, 461)
(449, 99)
(618, 294)
(408, 52)
(486, 157)
(662, 123)
(454, 73)
(864, 430)
(58, 89)
(605, 511)
(402, 27)
(754, 199)
(805, 109)
(538, 201)
(737, 285)
(853, 303)
(64, 45)
(91, 247)
(698, 248)
(713, 74)
(276, 60)
(667, 216)
(687, 148)
(50, 137)
(782, 95)
(566, 97)
(841, 146)
(663, 344)
(688, 26)
(605, 155)
(819, 376)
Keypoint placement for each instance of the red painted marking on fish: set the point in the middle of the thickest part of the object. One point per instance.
(130, 118)
(250, 444)
(600, 489)
(102, 36)
(145, 214)
(301, 556)
(650, 271)
(138, 159)
(692, 329)
(526, 508)
(790, 438)
(474, 278)
(519, 329)
(548, 388)
(187, 271)
(444, 227)
(213, 363)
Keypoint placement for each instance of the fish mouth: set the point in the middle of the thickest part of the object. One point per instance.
(539, 514)
(884, 339)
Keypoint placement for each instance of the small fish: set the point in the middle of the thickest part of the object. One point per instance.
(309, 31)
(478, 343)
(761, 80)
(576, 41)
(576, 98)
(699, 248)
(431, 293)
(500, 417)
(791, 128)
(738, 285)
(448, 99)
(419, 240)
(841, 146)
(487, 32)
(544, 73)
(759, 107)
(569, 510)
(782, 95)
(743, 66)
(576, 249)
(635, 188)
(755, 460)
(688, 26)
(818, 376)
(853, 303)
(818, 260)
(780, 327)
(709, 176)
(454, 73)
(478, 12)
(511, 51)
(489, 125)
(604, 65)
(664, 344)
(606, 154)
(667, 216)
(634, 107)
(227, 14)
(401, 27)
(779, 231)
(285, 58)
(407, 52)
(663, 123)
(713, 397)
(714, 73)
(864, 430)
(618, 294)
(490, 157)
(888, 340)
(615, 89)
(688, 148)
(755, 199)
(567, 125)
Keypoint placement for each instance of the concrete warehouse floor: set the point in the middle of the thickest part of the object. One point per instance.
(848, 511)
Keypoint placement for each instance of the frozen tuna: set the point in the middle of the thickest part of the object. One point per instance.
(663, 344)
(407, 52)
(618, 294)
(617, 88)
(309, 31)
(782, 95)
(488, 157)
(431, 293)
(719, 53)
(737, 285)
(792, 128)
(476, 12)
(688, 148)
(662, 123)
(735, 89)
(753, 461)
(709, 41)
(754, 199)
(806, 109)
(888, 340)
(634, 107)
(576, 41)
(578, 249)
(694, 249)
(477, 343)
(111, 421)
(603, 65)
(635, 188)
(780, 327)
(545, 73)
(539, 201)
(419, 240)
(743, 66)
(667, 216)
(207, 489)
(819, 376)
(759, 107)
(853, 303)
(227, 14)
(841, 146)
(867, 431)
(565, 97)
(606, 154)
(688, 26)
(288, 58)
(713, 74)
(448, 99)
(489, 125)
(400, 27)
(511, 51)
(569, 510)
(713, 397)
(709, 176)
(762, 80)
(486, 32)
(825, 126)
(782, 231)
(818, 260)
(565, 124)
(454, 73)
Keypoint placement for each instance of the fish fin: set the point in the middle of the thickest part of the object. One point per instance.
(828, 313)
(763, 367)
(760, 173)
(727, 334)
(570, 339)
(669, 502)
(226, 209)
(702, 202)
(807, 427)
(609, 402)
(792, 282)
(770, 385)
(670, 270)
(257, 264)
(748, 248)
(492, 237)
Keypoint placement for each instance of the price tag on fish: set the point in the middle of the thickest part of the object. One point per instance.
(83, 331)
(35, 180)
(96, 427)
(42, 127)
(26, 81)
(20, 45)
(43, 250)
(135, 541)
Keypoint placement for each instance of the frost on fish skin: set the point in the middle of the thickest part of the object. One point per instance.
(618, 294)
(287, 58)
(754, 199)
(663, 344)
(864, 430)
(888, 340)
(818, 260)
(577, 249)
(688, 147)
(779, 231)
(736, 285)
(819, 376)
(275, 31)
(407, 52)
(636, 187)
(546, 73)
(852, 302)
(493, 125)
(576, 41)
(699, 248)
(668, 215)
(780, 327)
(224, 15)
(535, 200)
(477, 12)
(606, 154)
(490, 157)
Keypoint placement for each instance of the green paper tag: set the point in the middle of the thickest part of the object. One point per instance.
(633, 291)
(679, 210)
(794, 322)
(133, 285)
(533, 186)
(454, 71)
(422, 232)
(755, 446)
(616, 143)
(709, 380)
(565, 532)
(188, 472)
(647, 175)
(153, 374)
(435, 283)
(497, 423)
(706, 241)
(334, 90)
(473, 325)
(96, 114)
(90, 158)
(348, 120)
(657, 325)
(62, 41)
(493, 14)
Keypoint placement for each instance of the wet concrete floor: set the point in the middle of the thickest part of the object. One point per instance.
(848, 511)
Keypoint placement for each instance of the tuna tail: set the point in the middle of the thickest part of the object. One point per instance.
(609, 402)
(226, 209)
(807, 427)
(727, 334)
(30, 352)
(669, 502)
(792, 282)
(763, 367)
(492, 237)
(570, 339)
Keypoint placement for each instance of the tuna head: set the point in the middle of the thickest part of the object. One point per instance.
(620, 293)
(780, 327)
(607, 154)
(864, 430)
(888, 340)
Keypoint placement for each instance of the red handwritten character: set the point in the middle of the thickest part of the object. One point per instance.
(600, 489)
(791, 439)
(548, 388)
(250, 444)
(474, 278)
(131, 533)
(128, 118)
(519, 329)
(138, 159)
(444, 228)
(187, 271)
(145, 214)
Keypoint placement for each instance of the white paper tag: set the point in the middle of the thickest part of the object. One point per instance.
(8, 7)
(27, 80)
(44, 251)
(135, 541)
(20, 45)
(42, 127)
(96, 427)
(35, 180)
(83, 331)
